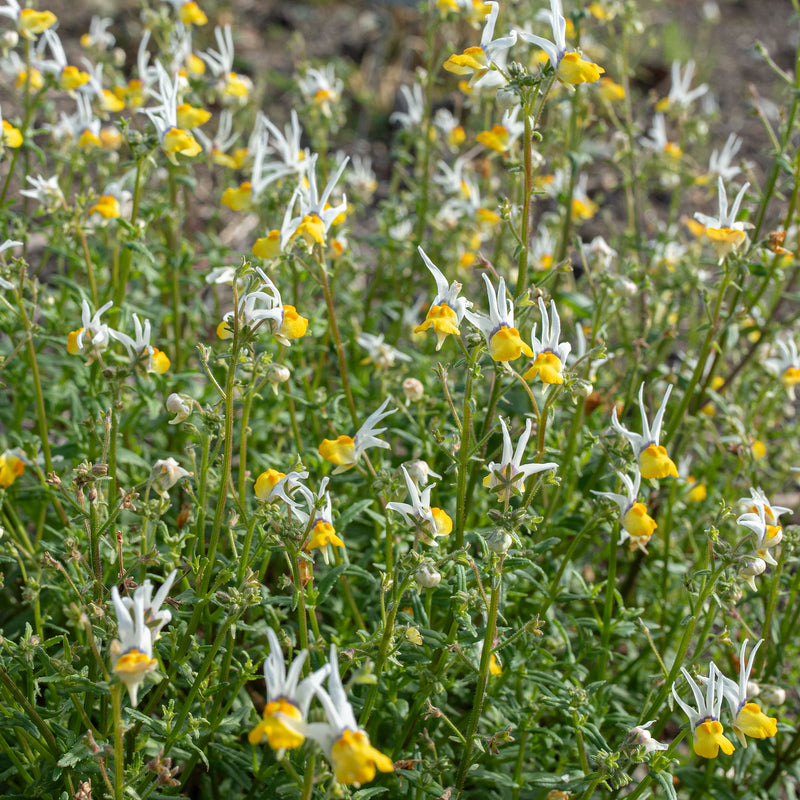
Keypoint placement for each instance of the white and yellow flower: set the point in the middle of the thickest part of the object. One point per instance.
(652, 457)
(636, 525)
(723, 231)
(428, 522)
(344, 451)
(550, 355)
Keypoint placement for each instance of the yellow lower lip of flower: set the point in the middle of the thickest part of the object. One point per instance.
(272, 727)
(610, 91)
(655, 463)
(312, 229)
(134, 662)
(239, 198)
(443, 320)
(496, 139)
(37, 81)
(11, 137)
(159, 361)
(339, 451)
(72, 342)
(268, 246)
(673, 150)
(191, 14)
(583, 209)
(638, 523)
(72, 78)
(293, 326)
(725, 240)
(494, 666)
(107, 207)
(88, 139)
(473, 59)
(355, 760)
(224, 330)
(442, 522)
(548, 367)
(506, 345)
(709, 738)
(110, 102)
(574, 69)
(487, 217)
(456, 136)
(697, 493)
(323, 534)
(11, 468)
(266, 482)
(176, 140)
(236, 86)
(322, 96)
(190, 116)
(753, 722)
(35, 22)
(791, 377)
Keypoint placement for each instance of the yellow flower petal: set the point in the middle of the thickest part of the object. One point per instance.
(506, 345)
(339, 451)
(655, 463)
(355, 760)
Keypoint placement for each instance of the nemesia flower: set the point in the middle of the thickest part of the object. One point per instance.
(94, 336)
(29, 22)
(640, 736)
(657, 140)
(286, 323)
(287, 155)
(9, 135)
(428, 523)
(233, 87)
(707, 730)
(763, 520)
(189, 12)
(724, 232)
(344, 451)
(69, 77)
(786, 366)
(288, 699)
(98, 35)
(217, 148)
(501, 138)
(415, 105)
(570, 67)
(46, 192)
(449, 127)
(166, 472)
(652, 457)
(319, 519)
(680, 95)
(502, 338)
(11, 467)
(447, 309)
(636, 525)
(510, 473)
(353, 758)
(272, 485)
(139, 347)
(550, 355)
(174, 140)
(382, 355)
(139, 620)
(721, 161)
(321, 87)
(748, 718)
(477, 61)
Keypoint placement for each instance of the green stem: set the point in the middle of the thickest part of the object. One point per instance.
(119, 763)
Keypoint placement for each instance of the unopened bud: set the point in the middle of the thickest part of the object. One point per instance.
(419, 471)
(428, 576)
(507, 98)
(413, 390)
(581, 389)
(627, 287)
(498, 541)
(180, 405)
(773, 696)
(276, 375)
(9, 40)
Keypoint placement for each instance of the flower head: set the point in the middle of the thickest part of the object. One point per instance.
(748, 718)
(763, 519)
(680, 95)
(447, 309)
(570, 67)
(380, 354)
(318, 519)
(502, 338)
(707, 730)
(166, 472)
(724, 232)
(477, 60)
(550, 355)
(652, 457)
(636, 525)
(640, 736)
(344, 451)
(428, 522)
(29, 22)
(353, 758)
(510, 473)
(139, 620)
(93, 336)
(11, 467)
(288, 699)
(140, 350)
(786, 366)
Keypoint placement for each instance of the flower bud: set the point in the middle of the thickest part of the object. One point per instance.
(428, 576)
(166, 473)
(507, 98)
(498, 541)
(773, 696)
(627, 287)
(413, 390)
(419, 471)
(581, 389)
(276, 375)
(180, 405)
(9, 40)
